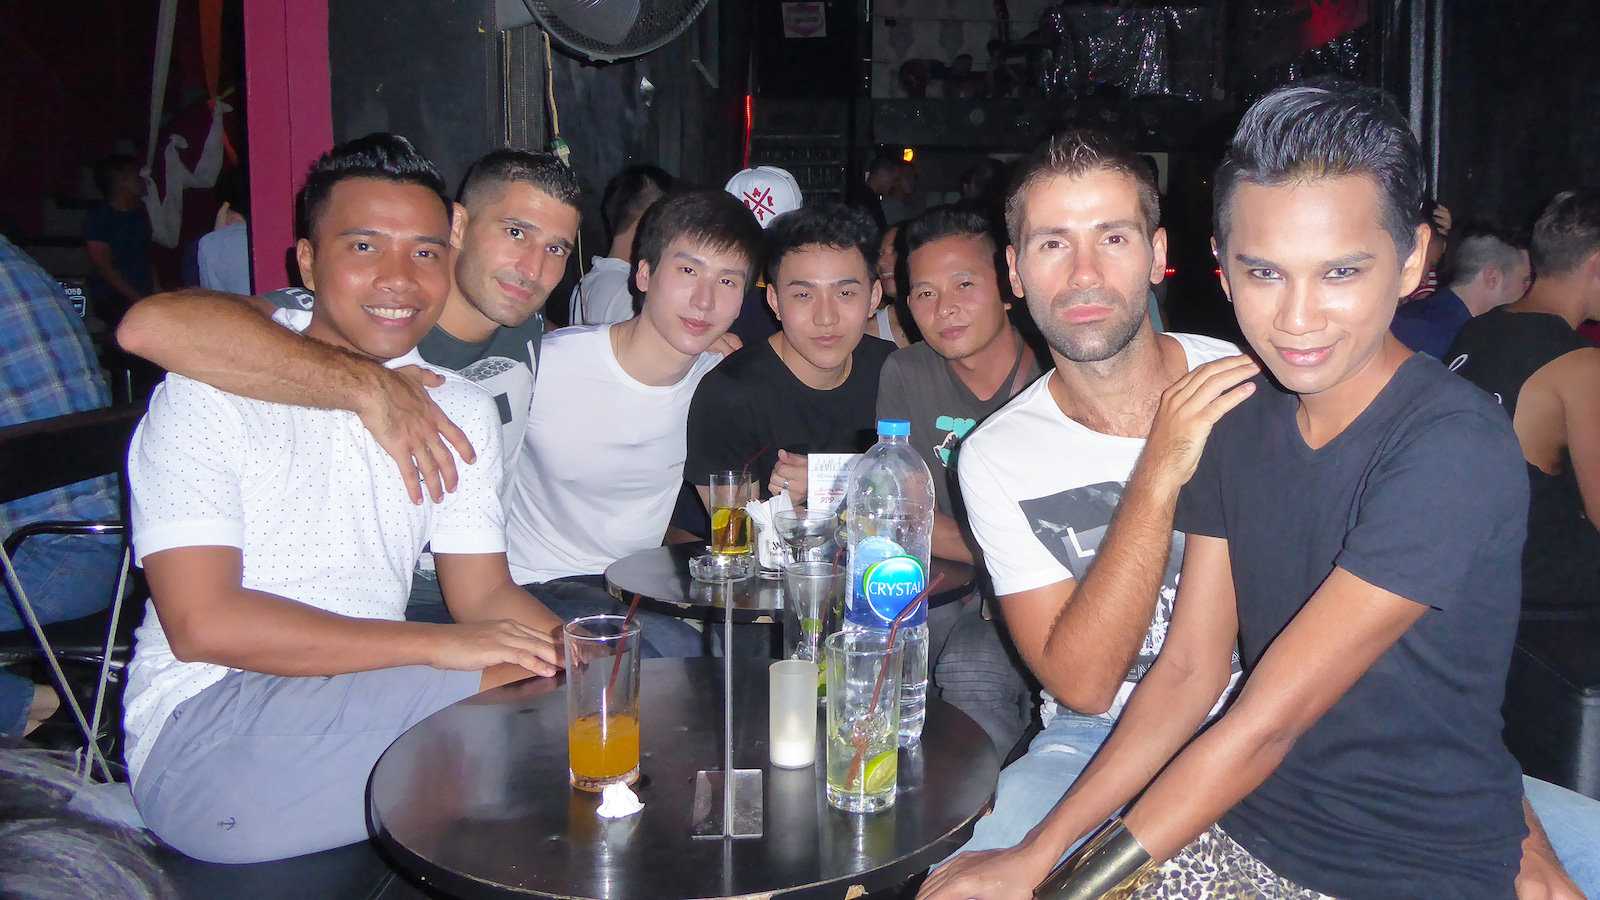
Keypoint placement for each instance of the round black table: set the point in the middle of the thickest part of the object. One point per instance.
(474, 800)
(660, 578)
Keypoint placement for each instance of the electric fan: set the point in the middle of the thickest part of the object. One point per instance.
(609, 30)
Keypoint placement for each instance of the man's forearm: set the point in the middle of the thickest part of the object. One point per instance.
(514, 603)
(260, 632)
(221, 340)
(948, 541)
(1163, 714)
(1097, 633)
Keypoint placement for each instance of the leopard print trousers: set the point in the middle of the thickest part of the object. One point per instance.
(1215, 867)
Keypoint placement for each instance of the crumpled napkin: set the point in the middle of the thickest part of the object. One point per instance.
(618, 800)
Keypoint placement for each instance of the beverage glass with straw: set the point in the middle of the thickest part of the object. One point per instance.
(863, 730)
(730, 490)
(602, 659)
(864, 670)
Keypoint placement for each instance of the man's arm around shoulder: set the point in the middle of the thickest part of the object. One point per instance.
(1079, 637)
(231, 343)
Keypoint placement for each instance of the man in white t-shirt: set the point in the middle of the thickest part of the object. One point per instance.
(602, 461)
(603, 295)
(1070, 488)
(273, 665)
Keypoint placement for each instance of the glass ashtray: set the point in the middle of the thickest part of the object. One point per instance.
(716, 568)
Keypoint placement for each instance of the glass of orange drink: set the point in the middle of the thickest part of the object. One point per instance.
(602, 656)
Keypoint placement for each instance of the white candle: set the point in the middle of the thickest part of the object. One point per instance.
(792, 713)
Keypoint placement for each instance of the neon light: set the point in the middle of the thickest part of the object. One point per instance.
(749, 125)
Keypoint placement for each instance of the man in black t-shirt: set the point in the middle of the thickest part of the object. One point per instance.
(1547, 377)
(813, 386)
(1332, 534)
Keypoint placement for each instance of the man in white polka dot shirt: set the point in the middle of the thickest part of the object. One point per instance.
(274, 664)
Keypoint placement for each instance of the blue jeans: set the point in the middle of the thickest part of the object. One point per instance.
(65, 577)
(1032, 786)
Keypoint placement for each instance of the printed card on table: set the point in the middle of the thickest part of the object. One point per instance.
(827, 477)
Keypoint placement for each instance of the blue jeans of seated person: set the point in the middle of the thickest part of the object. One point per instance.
(570, 598)
(65, 577)
(1030, 787)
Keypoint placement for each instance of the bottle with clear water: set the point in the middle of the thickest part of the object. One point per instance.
(889, 530)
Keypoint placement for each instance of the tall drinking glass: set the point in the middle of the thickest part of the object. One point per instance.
(863, 719)
(602, 701)
(813, 599)
(730, 522)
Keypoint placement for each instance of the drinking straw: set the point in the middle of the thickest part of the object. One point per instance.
(859, 739)
(616, 660)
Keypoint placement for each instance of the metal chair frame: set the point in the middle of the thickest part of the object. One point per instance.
(91, 757)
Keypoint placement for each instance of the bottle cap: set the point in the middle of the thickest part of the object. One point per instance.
(894, 428)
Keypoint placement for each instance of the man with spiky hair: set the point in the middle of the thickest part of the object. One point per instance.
(603, 295)
(1372, 600)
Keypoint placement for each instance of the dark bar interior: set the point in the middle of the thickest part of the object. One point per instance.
(443, 444)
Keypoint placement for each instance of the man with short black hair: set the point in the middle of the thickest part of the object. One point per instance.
(513, 229)
(1547, 377)
(603, 296)
(1483, 269)
(813, 386)
(116, 235)
(603, 456)
(273, 665)
(970, 363)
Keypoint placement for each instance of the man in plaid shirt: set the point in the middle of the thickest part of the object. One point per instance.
(48, 368)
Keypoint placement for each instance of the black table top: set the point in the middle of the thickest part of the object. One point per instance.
(660, 577)
(475, 800)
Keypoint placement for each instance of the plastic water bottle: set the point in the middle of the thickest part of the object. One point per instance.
(890, 533)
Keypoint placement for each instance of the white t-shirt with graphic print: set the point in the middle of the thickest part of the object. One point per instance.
(310, 499)
(1040, 490)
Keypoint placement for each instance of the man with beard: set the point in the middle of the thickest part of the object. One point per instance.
(1070, 487)
(266, 680)
(971, 361)
(513, 228)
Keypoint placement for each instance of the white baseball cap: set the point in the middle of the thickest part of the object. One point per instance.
(767, 191)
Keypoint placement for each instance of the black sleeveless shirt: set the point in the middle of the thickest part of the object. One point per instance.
(1499, 351)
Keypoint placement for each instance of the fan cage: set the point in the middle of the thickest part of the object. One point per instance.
(659, 22)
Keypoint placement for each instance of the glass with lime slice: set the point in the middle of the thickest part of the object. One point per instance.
(863, 720)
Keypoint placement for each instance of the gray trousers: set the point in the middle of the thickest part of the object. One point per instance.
(262, 767)
(973, 668)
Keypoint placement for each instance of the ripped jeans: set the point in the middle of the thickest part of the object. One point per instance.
(1032, 786)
